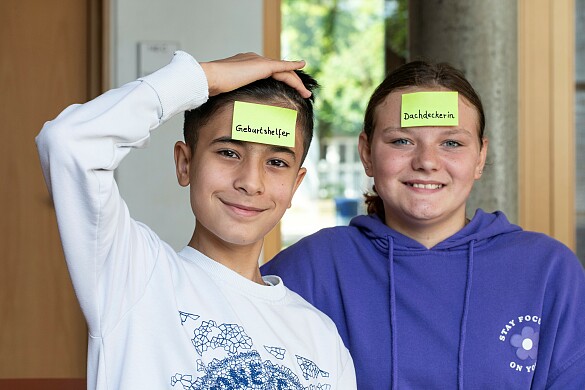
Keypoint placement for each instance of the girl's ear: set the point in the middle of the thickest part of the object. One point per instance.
(482, 158)
(365, 153)
(182, 162)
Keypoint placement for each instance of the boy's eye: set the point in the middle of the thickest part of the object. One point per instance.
(228, 153)
(451, 144)
(277, 163)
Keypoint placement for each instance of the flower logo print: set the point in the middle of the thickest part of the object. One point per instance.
(527, 343)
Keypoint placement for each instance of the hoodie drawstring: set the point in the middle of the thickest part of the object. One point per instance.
(393, 329)
(393, 349)
(463, 330)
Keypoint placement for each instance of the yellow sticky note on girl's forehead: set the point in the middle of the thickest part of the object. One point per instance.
(439, 108)
(264, 124)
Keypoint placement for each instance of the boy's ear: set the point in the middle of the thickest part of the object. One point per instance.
(182, 162)
(299, 179)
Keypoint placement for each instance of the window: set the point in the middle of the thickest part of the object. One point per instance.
(343, 42)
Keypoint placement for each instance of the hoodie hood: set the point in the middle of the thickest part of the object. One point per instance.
(481, 229)
(478, 232)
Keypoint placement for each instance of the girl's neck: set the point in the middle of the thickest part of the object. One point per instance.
(427, 233)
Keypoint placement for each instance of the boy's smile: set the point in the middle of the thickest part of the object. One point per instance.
(243, 210)
(239, 190)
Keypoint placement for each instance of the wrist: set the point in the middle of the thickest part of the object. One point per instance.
(208, 70)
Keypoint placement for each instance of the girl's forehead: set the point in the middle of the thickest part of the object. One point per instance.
(394, 98)
(397, 93)
(387, 114)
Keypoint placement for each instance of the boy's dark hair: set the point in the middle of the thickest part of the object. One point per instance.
(269, 91)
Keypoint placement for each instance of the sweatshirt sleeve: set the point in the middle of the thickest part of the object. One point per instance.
(347, 379)
(79, 150)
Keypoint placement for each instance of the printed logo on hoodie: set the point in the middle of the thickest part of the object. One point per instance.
(520, 336)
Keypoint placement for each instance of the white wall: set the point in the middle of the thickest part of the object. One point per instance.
(206, 29)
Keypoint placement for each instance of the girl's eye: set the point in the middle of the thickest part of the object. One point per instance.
(277, 163)
(228, 153)
(451, 144)
(401, 141)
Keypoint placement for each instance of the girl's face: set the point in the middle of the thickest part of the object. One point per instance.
(423, 174)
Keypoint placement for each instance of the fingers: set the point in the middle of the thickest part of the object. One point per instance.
(292, 79)
(287, 66)
(277, 65)
(233, 72)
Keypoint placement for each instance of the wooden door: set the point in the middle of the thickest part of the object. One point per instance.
(49, 58)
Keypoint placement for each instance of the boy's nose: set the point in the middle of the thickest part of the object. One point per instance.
(250, 178)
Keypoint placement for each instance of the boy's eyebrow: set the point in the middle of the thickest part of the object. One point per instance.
(284, 149)
(273, 148)
(228, 140)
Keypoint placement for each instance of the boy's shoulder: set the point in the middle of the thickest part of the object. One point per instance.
(307, 312)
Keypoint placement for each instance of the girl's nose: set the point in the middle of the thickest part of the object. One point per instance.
(426, 158)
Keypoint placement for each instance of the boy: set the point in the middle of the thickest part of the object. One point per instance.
(202, 318)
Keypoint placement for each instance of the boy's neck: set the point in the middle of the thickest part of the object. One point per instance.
(242, 259)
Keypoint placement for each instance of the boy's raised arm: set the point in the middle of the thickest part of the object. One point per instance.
(81, 148)
(79, 151)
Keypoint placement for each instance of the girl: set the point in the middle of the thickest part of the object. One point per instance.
(423, 296)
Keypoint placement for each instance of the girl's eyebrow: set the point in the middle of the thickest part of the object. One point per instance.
(392, 129)
(273, 148)
(457, 130)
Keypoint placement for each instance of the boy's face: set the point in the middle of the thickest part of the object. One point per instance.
(239, 190)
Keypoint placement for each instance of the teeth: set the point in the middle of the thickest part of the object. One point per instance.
(427, 186)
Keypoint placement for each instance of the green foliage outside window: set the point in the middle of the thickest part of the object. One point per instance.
(343, 42)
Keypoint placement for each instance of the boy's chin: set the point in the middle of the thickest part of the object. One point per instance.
(242, 241)
(244, 238)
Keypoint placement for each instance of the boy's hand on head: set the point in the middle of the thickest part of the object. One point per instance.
(236, 71)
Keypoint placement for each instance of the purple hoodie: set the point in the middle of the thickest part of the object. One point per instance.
(491, 307)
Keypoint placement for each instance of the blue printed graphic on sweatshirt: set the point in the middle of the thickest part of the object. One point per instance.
(520, 338)
(277, 352)
(310, 369)
(187, 316)
(233, 363)
(230, 337)
(242, 371)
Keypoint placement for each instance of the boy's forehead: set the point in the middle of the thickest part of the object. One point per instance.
(264, 123)
(219, 129)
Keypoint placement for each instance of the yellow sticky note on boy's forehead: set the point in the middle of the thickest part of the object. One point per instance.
(264, 124)
(438, 108)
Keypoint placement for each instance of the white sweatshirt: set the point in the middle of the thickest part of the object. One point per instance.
(159, 319)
